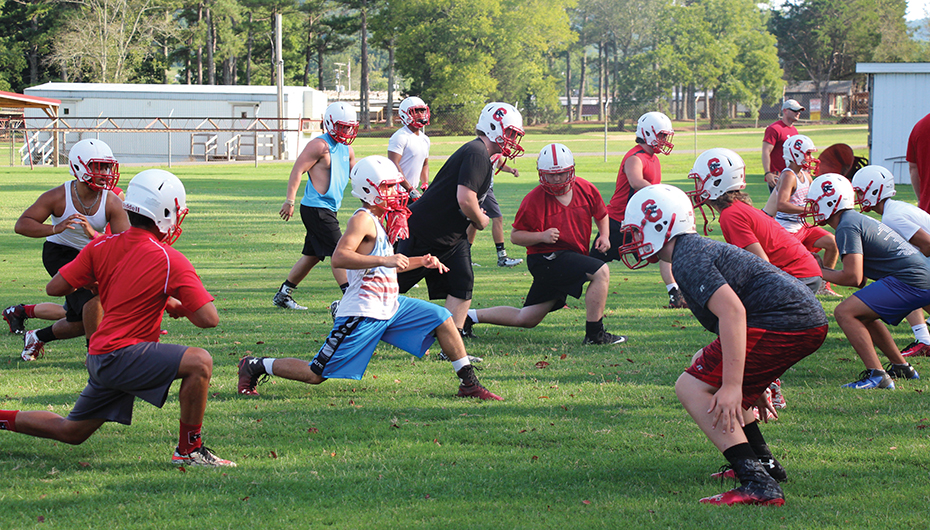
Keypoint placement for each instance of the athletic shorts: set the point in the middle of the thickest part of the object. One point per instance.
(616, 241)
(54, 257)
(458, 282)
(808, 235)
(557, 275)
(768, 355)
(145, 370)
(322, 231)
(892, 300)
(350, 345)
(490, 206)
(813, 283)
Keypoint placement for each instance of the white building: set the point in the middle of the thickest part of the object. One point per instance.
(900, 97)
(143, 123)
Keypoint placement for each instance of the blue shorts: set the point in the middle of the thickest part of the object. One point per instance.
(892, 300)
(350, 345)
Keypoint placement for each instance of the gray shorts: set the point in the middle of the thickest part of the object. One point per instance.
(491, 208)
(145, 370)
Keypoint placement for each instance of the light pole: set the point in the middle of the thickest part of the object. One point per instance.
(339, 79)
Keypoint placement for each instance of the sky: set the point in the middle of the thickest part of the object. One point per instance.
(916, 9)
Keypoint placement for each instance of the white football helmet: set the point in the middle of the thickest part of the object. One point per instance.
(341, 122)
(160, 196)
(372, 177)
(828, 195)
(716, 172)
(654, 215)
(872, 184)
(414, 112)
(92, 159)
(502, 123)
(800, 149)
(655, 129)
(555, 159)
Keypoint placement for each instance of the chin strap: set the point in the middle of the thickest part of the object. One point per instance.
(713, 214)
(396, 221)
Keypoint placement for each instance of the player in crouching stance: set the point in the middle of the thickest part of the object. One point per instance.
(372, 310)
(870, 249)
(765, 320)
(139, 277)
(554, 224)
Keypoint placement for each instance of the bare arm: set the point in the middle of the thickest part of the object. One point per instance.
(468, 202)
(633, 169)
(32, 222)
(58, 286)
(395, 157)
(311, 154)
(116, 215)
(525, 238)
(915, 178)
(424, 174)
(756, 249)
(770, 177)
(921, 240)
(602, 243)
(852, 274)
(726, 404)
(787, 183)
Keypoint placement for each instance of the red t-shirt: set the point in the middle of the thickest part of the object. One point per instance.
(743, 225)
(136, 274)
(540, 211)
(652, 172)
(776, 134)
(918, 152)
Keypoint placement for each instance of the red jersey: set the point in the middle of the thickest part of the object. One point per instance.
(776, 134)
(652, 172)
(541, 211)
(918, 152)
(743, 225)
(136, 274)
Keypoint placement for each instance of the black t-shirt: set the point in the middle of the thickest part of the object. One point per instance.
(774, 300)
(436, 216)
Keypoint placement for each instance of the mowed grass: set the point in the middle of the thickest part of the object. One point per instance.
(588, 437)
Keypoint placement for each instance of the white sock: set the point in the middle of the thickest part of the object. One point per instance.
(921, 333)
(473, 315)
(268, 362)
(671, 286)
(459, 364)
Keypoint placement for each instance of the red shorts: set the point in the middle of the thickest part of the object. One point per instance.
(808, 235)
(768, 355)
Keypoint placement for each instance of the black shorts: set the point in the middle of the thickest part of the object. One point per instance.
(54, 257)
(557, 275)
(490, 206)
(616, 241)
(458, 282)
(322, 231)
(145, 370)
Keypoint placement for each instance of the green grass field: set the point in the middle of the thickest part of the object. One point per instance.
(587, 437)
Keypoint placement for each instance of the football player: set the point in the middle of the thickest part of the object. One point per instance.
(409, 146)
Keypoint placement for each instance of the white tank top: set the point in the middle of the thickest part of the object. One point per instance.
(793, 222)
(372, 292)
(76, 238)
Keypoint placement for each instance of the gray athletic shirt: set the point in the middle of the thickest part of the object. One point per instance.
(774, 300)
(884, 252)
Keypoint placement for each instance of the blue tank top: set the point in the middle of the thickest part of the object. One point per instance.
(338, 178)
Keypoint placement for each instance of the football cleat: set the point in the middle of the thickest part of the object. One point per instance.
(872, 379)
(676, 300)
(757, 486)
(603, 337)
(285, 301)
(503, 260)
(471, 358)
(251, 371)
(827, 290)
(467, 330)
(914, 349)
(772, 467)
(746, 495)
(33, 348)
(901, 371)
(200, 457)
(778, 399)
(15, 317)
(477, 391)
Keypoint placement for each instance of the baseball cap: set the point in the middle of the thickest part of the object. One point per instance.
(792, 104)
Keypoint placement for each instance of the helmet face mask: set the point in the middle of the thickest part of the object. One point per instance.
(872, 184)
(654, 215)
(655, 129)
(556, 167)
(160, 196)
(341, 122)
(828, 194)
(92, 162)
(502, 124)
(414, 112)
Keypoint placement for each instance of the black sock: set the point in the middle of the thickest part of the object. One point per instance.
(756, 441)
(288, 284)
(344, 287)
(500, 246)
(467, 375)
(46, 334)
(592, 328)
(739, 452)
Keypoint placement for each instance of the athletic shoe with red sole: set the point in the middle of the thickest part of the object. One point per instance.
(916, 349)
(200, 457)
(477, 391)
(15, 317)
(250, 370)
(745, 495)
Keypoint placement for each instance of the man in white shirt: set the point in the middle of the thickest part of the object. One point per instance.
(409, 146)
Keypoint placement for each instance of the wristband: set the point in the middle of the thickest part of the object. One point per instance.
(289, 201)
